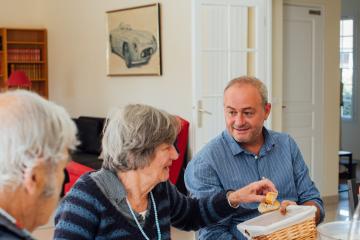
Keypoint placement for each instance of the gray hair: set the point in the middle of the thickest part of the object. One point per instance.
(253, 81)
(131, 136)
(31, 128)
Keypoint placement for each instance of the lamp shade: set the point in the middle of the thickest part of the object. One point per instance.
(18, 79)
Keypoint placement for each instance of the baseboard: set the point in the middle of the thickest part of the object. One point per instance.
(333, 199)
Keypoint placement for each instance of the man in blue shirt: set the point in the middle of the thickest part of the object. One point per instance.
(246, 152)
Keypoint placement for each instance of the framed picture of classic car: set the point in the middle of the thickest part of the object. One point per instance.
(134, 41)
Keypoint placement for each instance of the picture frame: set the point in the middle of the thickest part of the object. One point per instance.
(134, 41)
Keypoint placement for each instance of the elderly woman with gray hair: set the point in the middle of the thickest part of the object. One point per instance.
(131, 197)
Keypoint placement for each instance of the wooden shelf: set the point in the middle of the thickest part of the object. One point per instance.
(38, 80)
(25, 50)
(26, 62)
(26, 43)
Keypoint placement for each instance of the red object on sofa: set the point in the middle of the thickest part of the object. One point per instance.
(182, 142)
(75, 169)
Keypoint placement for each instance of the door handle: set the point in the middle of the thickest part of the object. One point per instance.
(200, 113)
(204, 111)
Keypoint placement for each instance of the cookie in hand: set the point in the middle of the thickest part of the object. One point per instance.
(270, 203)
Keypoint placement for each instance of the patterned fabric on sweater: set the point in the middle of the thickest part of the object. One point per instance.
(115, 192)
(89, 211)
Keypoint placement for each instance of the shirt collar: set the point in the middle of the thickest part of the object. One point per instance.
(7, 215)
(121, 193)
(235, 147)
(269, 140)
(8, 221)
(110, 184)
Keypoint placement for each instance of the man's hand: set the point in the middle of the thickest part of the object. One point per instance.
(317, 214)
(284, 204)
(254, 192)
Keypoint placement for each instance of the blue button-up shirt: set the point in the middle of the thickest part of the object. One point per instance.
(223, 165)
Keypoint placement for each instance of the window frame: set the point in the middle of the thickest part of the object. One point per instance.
(353, 117)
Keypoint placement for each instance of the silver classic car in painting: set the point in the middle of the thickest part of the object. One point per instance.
(134, 41)
(135, 46)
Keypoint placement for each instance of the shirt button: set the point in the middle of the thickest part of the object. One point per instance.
(256, 157)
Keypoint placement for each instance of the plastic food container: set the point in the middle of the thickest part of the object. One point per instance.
(334, 230)
(298, 223)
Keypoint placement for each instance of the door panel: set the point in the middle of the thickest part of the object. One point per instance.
(303, 81)
(230, 41)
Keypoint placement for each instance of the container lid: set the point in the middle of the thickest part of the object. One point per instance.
(335, 230)
(273, 221)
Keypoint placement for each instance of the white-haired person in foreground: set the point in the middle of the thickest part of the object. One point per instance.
(35, 138)
(131, 197)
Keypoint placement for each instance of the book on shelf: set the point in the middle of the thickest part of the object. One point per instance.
(1, 56)
(32, 71)
(24, 54)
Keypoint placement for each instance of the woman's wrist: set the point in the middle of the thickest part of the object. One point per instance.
(231, 198)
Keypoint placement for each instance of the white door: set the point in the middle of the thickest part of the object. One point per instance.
(303, 83)
(231, 39)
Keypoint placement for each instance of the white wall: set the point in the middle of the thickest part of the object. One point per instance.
(350, 130)
(277, 69)
(77, 59)
(22, 14)
(77, 55)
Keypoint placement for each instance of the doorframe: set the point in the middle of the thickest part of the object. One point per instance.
(194, 58)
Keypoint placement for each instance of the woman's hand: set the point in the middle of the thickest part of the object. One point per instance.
(254, 192)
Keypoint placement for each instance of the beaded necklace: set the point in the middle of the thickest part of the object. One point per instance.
(156, 218)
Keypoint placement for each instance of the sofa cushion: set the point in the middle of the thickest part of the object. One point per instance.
(89, 133)
(86, 159)
(74, 171)
(181, 147)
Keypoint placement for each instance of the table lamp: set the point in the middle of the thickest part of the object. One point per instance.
(18, 79)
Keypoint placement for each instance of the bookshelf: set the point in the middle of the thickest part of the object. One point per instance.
(2, 56)
(25, 50)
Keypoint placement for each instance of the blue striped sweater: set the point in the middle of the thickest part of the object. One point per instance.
(87, 213)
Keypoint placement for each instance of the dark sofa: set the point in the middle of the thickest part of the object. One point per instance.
(89, 135)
